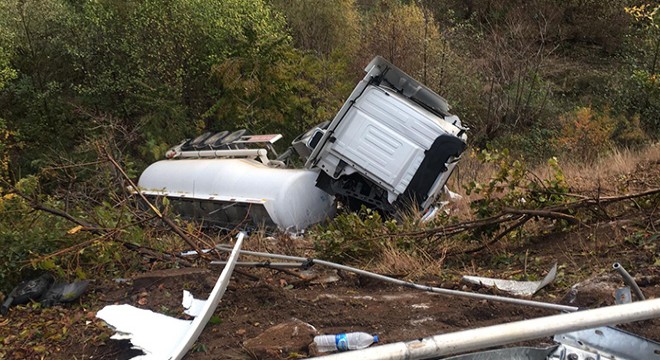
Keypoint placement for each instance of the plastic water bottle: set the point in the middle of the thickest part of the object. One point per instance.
(343, 342)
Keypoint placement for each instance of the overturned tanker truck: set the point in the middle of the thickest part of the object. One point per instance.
(392, 144)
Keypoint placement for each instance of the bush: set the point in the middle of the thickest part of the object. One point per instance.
(29, 238)
(353, 236)
(585, 133)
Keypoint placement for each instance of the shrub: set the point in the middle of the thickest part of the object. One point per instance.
(353, 236)
(585, 133)
(28, 238)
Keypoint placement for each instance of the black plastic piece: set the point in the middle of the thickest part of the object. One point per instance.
(197, 142)
(443, 147)
(216, 139)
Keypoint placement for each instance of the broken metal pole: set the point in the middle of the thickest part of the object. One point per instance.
(262, 264)
(449, 292)
(629, 280)
(498, 335)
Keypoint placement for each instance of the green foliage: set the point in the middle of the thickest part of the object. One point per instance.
(323, 26)
(353, 236)
(514, 185)
(22, 234)
(29, 237)
(636, 84)
(288, 93)
(146, 63)
(8, 144)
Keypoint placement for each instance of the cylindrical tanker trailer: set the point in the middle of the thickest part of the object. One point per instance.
(225, 192)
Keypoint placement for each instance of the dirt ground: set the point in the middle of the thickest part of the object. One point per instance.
(264, 298)
(258, 299)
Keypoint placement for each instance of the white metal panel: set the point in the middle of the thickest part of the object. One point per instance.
(376, 148)
(384, 136)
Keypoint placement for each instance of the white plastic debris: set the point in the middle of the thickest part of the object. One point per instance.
(452, 196)
(193, 307)
(512, 286)
(164, 337)
(155, 334)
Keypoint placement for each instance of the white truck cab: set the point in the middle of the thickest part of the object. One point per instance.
(393, 142)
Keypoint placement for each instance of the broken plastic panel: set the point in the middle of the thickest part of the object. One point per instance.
(524, 288)
(164, 337)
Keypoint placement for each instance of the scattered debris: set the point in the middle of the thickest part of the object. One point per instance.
(450, 292)
(26, 291)
(62, 292)
(45, 290)
(164, 337)
(502, 334)
(604, 343)
(524, 288)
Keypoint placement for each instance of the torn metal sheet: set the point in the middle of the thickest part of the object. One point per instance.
(512, 286)
(606, 343)
(603, 343)
(164, 337)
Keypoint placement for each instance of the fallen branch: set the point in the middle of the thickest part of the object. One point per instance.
(37, 205)
(552, 212)
(545, 214)
(509, 215)
(159, 255)
(164, 218)
(518, 224)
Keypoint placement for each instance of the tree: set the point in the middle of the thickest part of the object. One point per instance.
(642, 88)
(323, 26)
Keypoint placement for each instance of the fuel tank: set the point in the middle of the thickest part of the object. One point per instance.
(233, 192)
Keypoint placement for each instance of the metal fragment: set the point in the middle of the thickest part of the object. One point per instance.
(628, 280)
(449, 292)
(524, 288)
